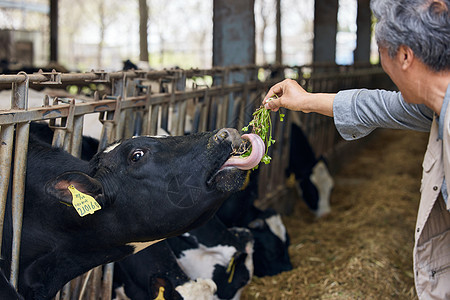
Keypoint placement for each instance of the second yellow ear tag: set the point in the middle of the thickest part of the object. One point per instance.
(83, 203)
(160, 294)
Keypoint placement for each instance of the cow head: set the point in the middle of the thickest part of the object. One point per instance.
(156, 186)
(271, 254)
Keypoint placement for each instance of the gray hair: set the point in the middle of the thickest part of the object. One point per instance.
(422, 25)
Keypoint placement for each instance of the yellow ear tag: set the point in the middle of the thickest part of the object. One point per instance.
(230, 269)
(84, 204)
(160, 294)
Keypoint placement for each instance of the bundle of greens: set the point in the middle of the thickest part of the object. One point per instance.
(261, 124)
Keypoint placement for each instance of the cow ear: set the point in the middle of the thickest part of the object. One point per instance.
(59, 187)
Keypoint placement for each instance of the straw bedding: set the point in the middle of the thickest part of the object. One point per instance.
(363, 249)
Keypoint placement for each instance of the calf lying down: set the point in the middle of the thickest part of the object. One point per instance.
(186, 266)
(79, 214)
(155, 272)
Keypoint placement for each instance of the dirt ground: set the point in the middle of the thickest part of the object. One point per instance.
(363, 249)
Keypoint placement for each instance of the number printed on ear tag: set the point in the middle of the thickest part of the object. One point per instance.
(83, 203)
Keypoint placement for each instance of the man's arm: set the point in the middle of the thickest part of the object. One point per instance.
(356, 112)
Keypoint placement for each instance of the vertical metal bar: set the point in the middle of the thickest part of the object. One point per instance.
(107, 281)
(18, 190)
(165, 116)
(106, 135)
(19, 100)
(197, 118)
(212, 114)
(76, 285)
(19, 94)
(181, 122)
(204, 114)
(153, 122)
(147, 113)
(236, 112)
(129, 116)
(138, 123)
(58, 138)
(95, 282)
(220, 113)
(121, 126)
(64, 294)
(180, 85)
(6, 146)
(226, 97)
(77, 136)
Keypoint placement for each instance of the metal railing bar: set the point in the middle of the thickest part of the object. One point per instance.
(6, 148)
(18, 191)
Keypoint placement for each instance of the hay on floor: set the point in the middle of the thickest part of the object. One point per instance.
(363, 249)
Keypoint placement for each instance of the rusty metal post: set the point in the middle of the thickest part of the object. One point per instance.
(153, 122)
(95, 283)
(64, 294)
(6, 147)
(180, 85)
(205, 101)
(77, 136)
(18, 191)
(119, 115)
(109, 120)
(19, 101)
(107, 283)
(63, 132)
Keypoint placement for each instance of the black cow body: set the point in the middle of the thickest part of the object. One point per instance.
(215, 252)
(148, 189)
(41, 130)
(7, 291)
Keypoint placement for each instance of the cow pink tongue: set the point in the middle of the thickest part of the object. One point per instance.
(251, 161)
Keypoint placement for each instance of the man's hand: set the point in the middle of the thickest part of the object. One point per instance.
(290, 95)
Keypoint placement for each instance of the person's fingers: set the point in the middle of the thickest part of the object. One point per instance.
(273, 104)
(276, 89)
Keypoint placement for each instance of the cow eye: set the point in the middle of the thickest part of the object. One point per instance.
(137, 155)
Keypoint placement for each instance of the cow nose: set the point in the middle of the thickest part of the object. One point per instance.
(227, 134)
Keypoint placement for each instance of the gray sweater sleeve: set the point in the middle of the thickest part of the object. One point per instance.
(358, 112)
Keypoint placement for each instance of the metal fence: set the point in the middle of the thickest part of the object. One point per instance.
(139, 102)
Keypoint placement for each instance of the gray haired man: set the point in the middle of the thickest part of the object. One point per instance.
(413, 37)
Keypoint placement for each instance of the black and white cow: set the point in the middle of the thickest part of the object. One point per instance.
(155, 272)
(314, 184)
(145, 189)
(270, 255)
(313, 180)
(219, 253)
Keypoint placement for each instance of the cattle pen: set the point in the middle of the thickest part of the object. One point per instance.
(176, 101)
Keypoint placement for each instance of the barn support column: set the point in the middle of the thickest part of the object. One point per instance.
(363, 32)
(234, 42)
(143, 31)
(325, 28)
(54, 30)
(233, 33)
(278, 48)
